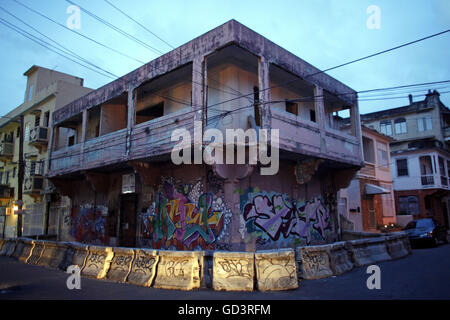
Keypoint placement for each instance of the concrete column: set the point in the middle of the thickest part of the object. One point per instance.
(83, 133)
(355, 120)
(199, 83)
(319, 105)
(131, 118)
(232, 174)
(264, 92)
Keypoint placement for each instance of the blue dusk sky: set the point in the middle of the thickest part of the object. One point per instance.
(324, 33)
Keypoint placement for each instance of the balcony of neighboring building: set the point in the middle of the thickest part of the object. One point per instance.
(434, 175)
(422, 171)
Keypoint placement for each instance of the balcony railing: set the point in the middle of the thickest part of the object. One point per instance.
(427, 180)
(368, 170)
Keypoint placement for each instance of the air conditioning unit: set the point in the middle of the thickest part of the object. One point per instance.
(6, 150)
(33, 184)
(39, 135)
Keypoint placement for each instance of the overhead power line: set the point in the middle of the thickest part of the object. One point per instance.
(117, 29)
(139, 24)
(44, 44)
(340, 65)
(64, 49)
(78, 33)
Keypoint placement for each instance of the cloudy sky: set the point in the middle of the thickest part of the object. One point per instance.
(325, 33)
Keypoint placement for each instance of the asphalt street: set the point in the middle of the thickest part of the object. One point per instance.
(425, 274)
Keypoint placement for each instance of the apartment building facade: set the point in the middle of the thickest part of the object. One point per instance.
(46, 91)
(420, 157)
(368, 203)
(115, 162)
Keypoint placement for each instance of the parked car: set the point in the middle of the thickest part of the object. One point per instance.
(426, 230)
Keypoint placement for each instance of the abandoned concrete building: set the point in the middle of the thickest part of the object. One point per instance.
(110, 150)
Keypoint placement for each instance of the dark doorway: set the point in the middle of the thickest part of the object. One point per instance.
(128, 210)
(445, 214)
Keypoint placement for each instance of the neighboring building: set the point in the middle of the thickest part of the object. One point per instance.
(46, 91)
(420, 157)
(116, 163)
(368, 203)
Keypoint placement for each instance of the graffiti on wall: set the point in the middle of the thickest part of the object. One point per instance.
(271, 217)
(184, 217)
(89, 224)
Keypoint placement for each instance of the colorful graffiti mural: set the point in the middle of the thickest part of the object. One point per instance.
(272, 217)
(89, 224)
(185, 218)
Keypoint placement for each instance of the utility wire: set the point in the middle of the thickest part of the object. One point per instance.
(341, 65)
(78, 33)
(237, 92)
(44, 44)
(117, 29)
(67, 51)
(139, 24)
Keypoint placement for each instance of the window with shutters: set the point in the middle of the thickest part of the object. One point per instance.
(402, 167)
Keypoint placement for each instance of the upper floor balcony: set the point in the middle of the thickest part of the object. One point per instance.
(229, 78)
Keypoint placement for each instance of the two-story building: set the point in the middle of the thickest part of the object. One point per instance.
(420, 156)
(46, 91)
(115, 163)
(368, 203)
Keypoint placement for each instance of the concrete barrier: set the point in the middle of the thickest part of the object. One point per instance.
(37, 252)
(9, 247)
(275, 270)
(97, 262)
(378, 250)
(68, 256)
(48, 253)
(359, 252)
(2, 241)
(314, 262)
(27, 250)
(233, 271)
(356, 235)
(18, 249)
(79, 255)
(59, 254)
(179, 270)
(339, 259)
(396, 246)
(4, 246)
(143, 268)
(120, 264)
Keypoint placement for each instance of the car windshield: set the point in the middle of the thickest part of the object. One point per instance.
(425, 223)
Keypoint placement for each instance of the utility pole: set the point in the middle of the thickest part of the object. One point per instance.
(20, 180)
